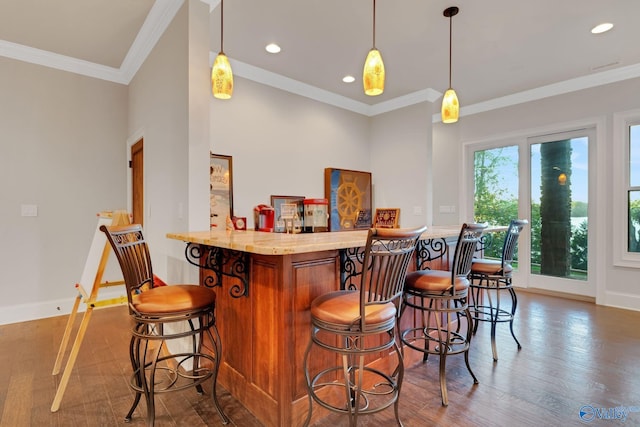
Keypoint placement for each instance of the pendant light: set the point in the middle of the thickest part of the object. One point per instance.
(373, 74)
(221, 75)
(450, 105)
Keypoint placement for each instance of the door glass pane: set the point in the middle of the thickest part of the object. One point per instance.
(633, 244)
(634, 221)
(496, 192)
(634, 156)
(559, 201)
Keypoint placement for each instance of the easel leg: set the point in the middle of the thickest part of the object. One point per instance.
(65, 337)
(64, 380)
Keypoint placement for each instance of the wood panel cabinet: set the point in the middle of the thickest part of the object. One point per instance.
(265, 333)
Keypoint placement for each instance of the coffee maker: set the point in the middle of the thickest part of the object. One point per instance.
(263, 217)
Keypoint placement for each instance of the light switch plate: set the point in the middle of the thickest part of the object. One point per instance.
(29, 210)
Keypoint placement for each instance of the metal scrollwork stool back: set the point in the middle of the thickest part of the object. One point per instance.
(159, 313)
(355, 323)
(493, 276)
(441, 297)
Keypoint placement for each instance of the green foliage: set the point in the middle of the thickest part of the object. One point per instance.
(579, 209)
(496, 206)
(634, 224)
(579, 246)
(493, 204)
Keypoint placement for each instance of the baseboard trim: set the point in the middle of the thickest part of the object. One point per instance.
(620, 300)
(44, 309)
(558, 294)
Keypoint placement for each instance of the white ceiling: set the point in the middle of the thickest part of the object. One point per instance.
(504, 51)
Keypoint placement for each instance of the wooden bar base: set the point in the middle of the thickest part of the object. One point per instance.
(265, 333)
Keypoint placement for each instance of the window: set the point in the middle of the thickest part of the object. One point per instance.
(627, 185)
(633, 205)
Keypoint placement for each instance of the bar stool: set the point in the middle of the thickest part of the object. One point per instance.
(490, 275)
(354, 324)
(159, 313)
(446, 293)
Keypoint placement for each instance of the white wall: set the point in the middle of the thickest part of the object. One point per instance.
(281, 143)
(447, 154)
(401, 163)
(616, 286)
(61, 145)
(159, 112)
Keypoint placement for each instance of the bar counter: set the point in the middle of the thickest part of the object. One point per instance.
(265, 283)
(257, 242)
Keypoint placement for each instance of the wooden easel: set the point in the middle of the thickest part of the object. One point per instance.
(93, 270)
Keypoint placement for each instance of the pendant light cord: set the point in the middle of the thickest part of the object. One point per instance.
(222, 26)
(450, 44)
(374, 24)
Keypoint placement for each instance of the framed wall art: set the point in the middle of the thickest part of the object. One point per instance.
(221, 190)
(286, 207)
(387, 218)
(349, 196)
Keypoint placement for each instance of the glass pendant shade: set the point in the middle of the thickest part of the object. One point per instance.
(222, 77)
(373, 74)
(450, 106)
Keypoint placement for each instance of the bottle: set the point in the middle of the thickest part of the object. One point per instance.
(297, 224)
(279, 227)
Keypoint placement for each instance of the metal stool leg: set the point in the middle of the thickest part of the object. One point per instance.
(514, 304)
(134, 353)
(495, 313)
(215, 339)
(308, 380)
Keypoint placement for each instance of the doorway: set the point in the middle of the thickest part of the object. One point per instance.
(137, 182)
(559, 212)
(545, 180)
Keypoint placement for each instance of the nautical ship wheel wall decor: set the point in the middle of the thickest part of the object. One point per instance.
(349, 196)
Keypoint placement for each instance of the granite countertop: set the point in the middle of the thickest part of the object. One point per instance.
(265, 243)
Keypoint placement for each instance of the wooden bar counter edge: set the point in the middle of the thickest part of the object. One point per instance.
(258, 242)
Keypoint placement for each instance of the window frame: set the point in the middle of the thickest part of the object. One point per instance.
(622, 123)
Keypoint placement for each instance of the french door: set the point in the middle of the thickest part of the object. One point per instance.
(544, 179)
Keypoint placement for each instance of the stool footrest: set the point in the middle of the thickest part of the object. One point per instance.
(485, 313)
(456, 344)
(171, 381)
(381, 391)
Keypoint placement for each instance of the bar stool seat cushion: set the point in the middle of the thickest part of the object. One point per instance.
(434, 281)
(491, 267)
(341, 310)
(173, 299)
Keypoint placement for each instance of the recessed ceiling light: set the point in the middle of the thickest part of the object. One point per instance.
(601, 28)
(348, 79)
(272, 48)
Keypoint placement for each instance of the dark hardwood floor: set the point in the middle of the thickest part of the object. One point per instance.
(575, 355)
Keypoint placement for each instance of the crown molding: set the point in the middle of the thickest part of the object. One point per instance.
(163, 12)
(212, 4)
(156, 23)
(560, 88)
(160, 16)
(60, 62)
(259, 75)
